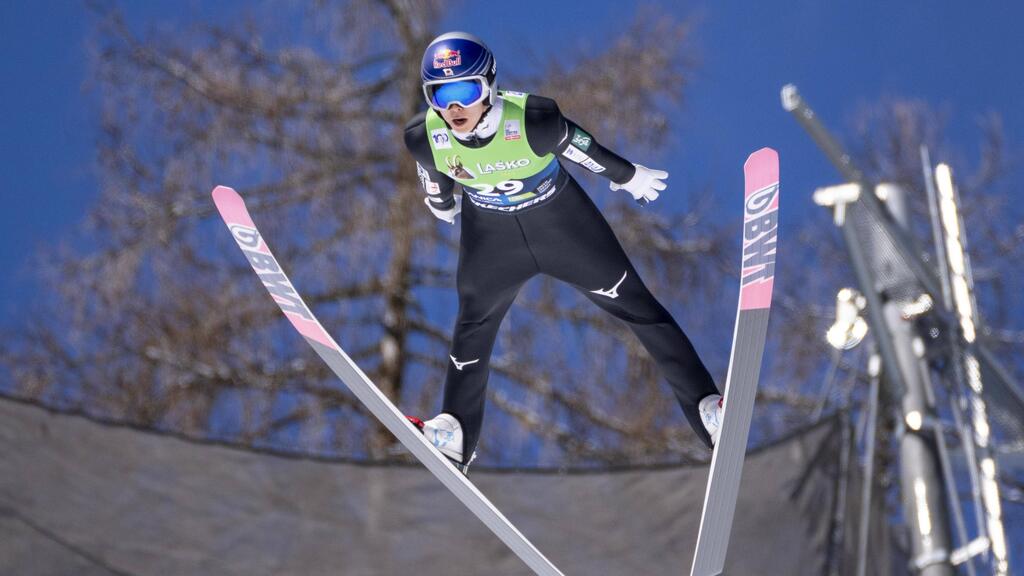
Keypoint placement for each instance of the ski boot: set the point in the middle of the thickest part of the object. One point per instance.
(710, 408)
(445, 433)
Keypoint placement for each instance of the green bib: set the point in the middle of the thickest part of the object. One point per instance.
(505, 175)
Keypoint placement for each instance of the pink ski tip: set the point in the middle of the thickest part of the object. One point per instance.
(761, 170)
(224, 193)
(765, 154)
(231, 206)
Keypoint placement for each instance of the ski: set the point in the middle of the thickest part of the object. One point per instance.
(760, 228)
(232, 209)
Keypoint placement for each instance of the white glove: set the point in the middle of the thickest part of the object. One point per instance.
(449, 214)
(644, 185)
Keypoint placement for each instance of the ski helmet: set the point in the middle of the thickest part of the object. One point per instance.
(458, 68)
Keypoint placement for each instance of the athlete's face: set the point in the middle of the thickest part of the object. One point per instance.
(463, 119)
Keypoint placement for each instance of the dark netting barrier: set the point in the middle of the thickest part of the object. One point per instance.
(86, 498)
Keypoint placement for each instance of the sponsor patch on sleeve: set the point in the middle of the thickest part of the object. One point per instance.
(575, 154)
(429, 186)
(581, 139)
(592, 166)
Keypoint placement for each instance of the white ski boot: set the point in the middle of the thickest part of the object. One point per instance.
(445, 433)
(710, 408)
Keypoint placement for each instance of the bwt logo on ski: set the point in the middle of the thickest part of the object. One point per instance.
(501, 166)
(760, 228)
(269, 272)
(245, 236)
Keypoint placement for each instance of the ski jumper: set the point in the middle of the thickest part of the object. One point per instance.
(526, 215)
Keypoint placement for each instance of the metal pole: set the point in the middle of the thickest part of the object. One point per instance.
(834, 562)
(922, 485)
(874, 368)
(937, 236)
(794, 104)
(966, 439)
(963, 285)
(951, 493)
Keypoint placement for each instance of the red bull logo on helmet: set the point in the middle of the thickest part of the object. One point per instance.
(447, 58)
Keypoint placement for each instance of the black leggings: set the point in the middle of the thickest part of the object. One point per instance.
(566, 238)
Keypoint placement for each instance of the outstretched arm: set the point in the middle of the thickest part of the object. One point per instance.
(551, 132)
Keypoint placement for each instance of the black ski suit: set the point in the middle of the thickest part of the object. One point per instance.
(565, 237)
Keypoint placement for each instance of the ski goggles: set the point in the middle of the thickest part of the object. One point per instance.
(465, 92)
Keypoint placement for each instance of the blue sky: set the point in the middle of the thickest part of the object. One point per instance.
(841, 54)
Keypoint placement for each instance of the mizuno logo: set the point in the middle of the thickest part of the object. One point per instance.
(612, 292)
(460, 365)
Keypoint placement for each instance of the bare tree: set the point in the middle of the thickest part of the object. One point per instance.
(155, 319)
